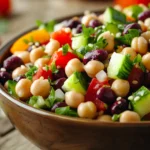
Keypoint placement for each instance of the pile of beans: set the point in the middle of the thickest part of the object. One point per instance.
(111, 98)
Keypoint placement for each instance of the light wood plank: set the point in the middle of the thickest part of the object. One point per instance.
(15, 141)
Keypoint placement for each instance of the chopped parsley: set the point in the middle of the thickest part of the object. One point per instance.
(31, 72)
(54, 68)
(65, 49)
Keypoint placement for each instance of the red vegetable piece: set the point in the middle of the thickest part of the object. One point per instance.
(60, 59)
(62, 37)
(91, 93)
(42, 73)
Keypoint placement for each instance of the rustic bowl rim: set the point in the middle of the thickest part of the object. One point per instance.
(47, 114)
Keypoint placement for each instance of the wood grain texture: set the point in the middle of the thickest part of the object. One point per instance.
(15, 141)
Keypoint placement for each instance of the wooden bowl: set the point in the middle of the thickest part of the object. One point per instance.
(53, 132)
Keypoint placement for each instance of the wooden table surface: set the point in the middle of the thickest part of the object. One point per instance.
(25, 12)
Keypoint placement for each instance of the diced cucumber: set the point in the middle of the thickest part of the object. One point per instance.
(75, 82)
(37, 102)
(134, 10)
(113, 28)
(59, 95)
(119, 66)
(114, 16)
(79, 41)
(140, 101)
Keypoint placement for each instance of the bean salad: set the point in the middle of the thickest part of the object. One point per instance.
(96, 66)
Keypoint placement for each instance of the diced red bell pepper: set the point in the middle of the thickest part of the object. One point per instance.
(92, 91)
(42, 73)
(62, 37)
(60, 59)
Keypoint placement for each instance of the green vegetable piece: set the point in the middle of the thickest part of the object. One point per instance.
(138, 61)
(37, 102)
(79, 41)
(75, 82)
(65, 49)
(87, 32)
(127, 38)
(54, 68)
(140, 101)
(112, 15)
(113, 28)
(52, 99)
(31, 72)
(101, 43)
(67, 111)
(134, 10)
(11, 87)
(49, 26)
(116, 117)
(119, 66)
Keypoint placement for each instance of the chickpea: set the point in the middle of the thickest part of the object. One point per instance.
(40, 87)
(19, 71)
(121, 87)
(72, 66)
(146, 35)
(24, 55)
(130, 51)
(87, 18)
(73, 99)
(129, 116)
(87, 110)
(52, 46)
(23, 88)
(147, 23)
(36, 53)
(146, 61)
(110, 40)
(93, 67)
(143, 27)
(41, 62)
(140, 45)
(105, 118)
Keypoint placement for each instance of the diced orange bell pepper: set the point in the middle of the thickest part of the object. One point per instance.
(41, 36)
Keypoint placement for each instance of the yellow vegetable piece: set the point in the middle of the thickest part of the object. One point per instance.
(41, 36)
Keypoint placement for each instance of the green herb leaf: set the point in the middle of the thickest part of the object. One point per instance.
(138, 61)
(37, 102)
(87, 32)
(116, 117)
(101, 43)
(11, 87)
(67, 111)
(65, 49)
(49, 26)
(127, 38)
(54, 68)
(51, 100)
(31, 72)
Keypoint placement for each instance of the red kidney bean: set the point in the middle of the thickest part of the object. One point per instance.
(144, 15)
(4, 76)
(100, 55)
(132, 26)
(57, 105)
(12, 63)
(94, 23)
(59, 74)
(119, 106)
(136, 78)
(72, 23)
(58, 83)
(107, 95)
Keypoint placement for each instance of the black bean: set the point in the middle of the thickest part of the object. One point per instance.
(12, 63)
(59, 83)
(132, 26)
(119, 106)
(57, 105)
(144, 15)
(136, 78)
(59, 74)
(100, 55)
(94, 23)
(4, 76)
(107, 95)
